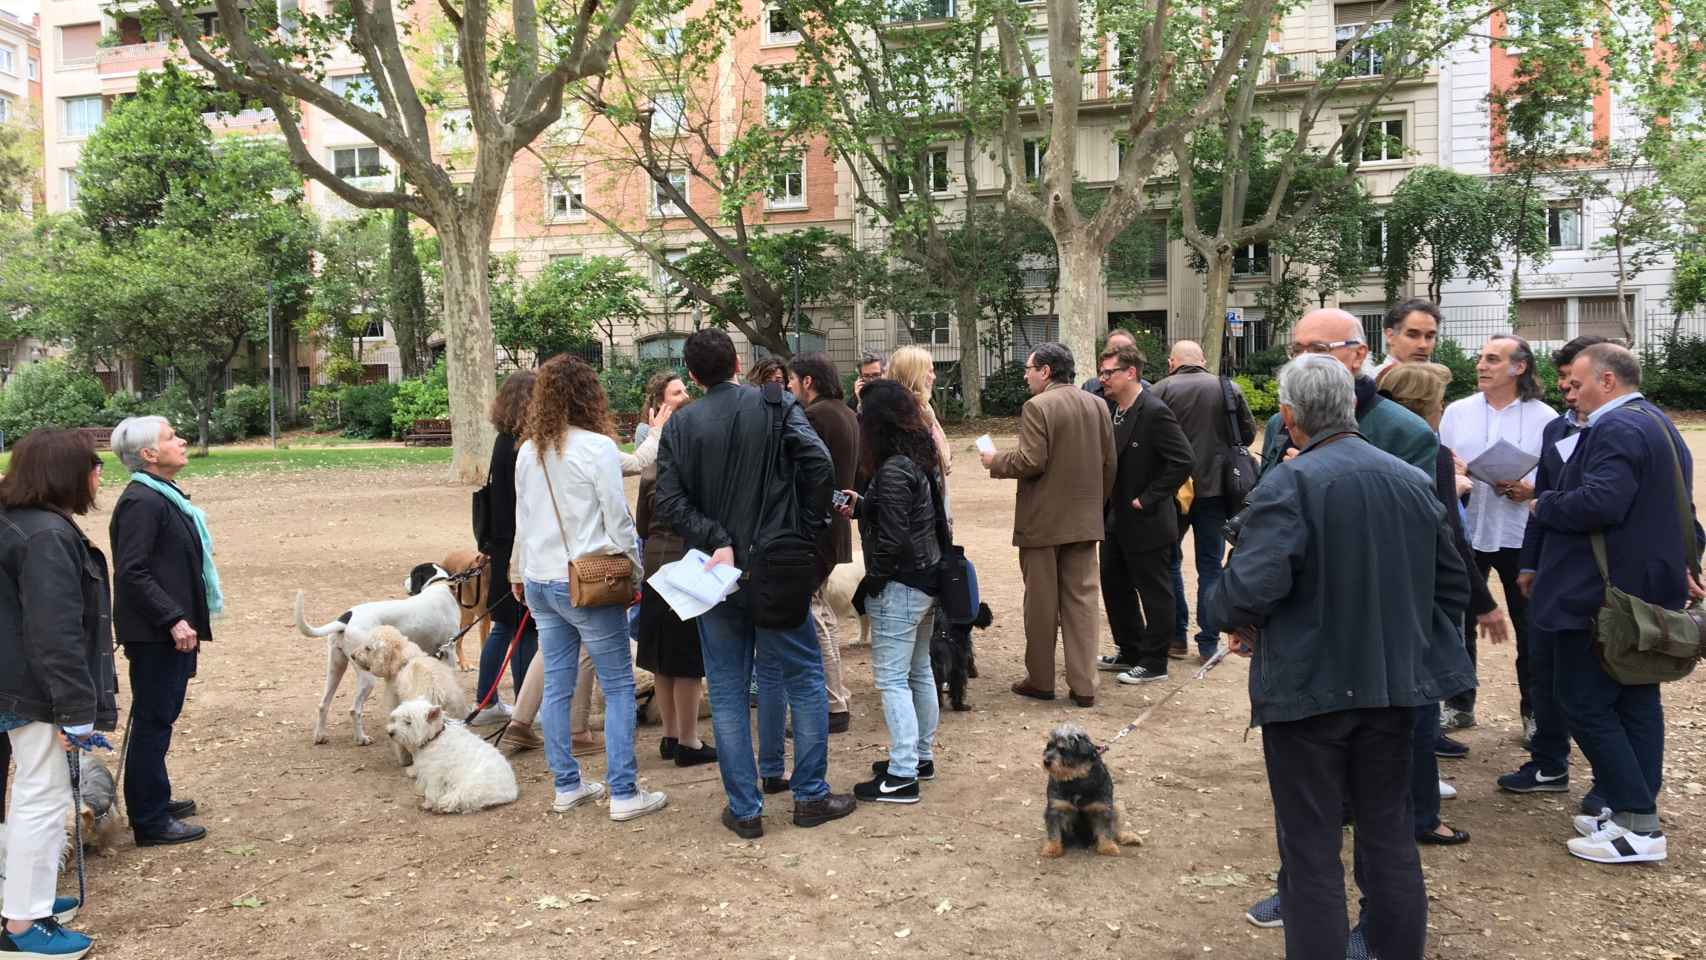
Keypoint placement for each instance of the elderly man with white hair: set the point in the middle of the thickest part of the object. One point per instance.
(165, 595)
(1339, 669)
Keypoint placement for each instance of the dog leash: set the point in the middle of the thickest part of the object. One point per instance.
(444, 649)
(1202, 672)
(497, 679)
(78, 744)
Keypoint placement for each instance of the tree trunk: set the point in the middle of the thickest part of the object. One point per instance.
(1083, 301)
(967, 312)
(1215, 283)
(204, 411)
(1623, 316)
(470, 359)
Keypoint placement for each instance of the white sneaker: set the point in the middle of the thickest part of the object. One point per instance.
(590, 791)
(1447, 791)
(638, 805)
(492, 716)
(1587, 826)
(1615, 844)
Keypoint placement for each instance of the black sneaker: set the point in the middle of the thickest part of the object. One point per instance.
(1449, 749)
(776, 784)
(1529, 779)
(1114, 664)
(886, 789)
(926, 769)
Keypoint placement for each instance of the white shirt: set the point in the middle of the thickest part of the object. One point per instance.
(586, 476)
(1469, 427)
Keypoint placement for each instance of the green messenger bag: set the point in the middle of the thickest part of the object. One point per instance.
(1642, 642)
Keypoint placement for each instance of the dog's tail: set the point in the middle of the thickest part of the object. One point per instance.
(336, 626)
(984, 617)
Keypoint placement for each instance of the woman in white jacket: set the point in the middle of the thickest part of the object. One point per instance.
(570, 505)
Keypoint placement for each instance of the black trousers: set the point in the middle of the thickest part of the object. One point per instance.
(1317, 767)
(1127, 575)
(159, 676)
(1507, 563)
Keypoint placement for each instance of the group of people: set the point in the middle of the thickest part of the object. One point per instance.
(61, 610)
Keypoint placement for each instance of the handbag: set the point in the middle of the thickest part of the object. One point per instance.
(596, 579)
(782, 568)
(1642, 642)
(482, 516)
(955, 580)
(1237, 467)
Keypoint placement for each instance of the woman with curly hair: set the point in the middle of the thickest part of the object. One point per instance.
(767, 370)
(898, 528)
(509, 416)
(570, 507)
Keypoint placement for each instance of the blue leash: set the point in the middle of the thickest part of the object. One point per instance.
(79, 744)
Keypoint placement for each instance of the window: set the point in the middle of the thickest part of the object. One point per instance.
(788, 187)
(1542, 319)
(928, 328)
(9, 60)
(568, 127)
(5, 109)
(209, 22)
(563, 199)
(456, 130)
(1039, 55)
(1564, 226)
(68, 184)
(1374, 243)
(1555, 127)
(667, 39)
(666, 347)
(448, 54)
(921, 9)
(936, 161)
(778, 28)
(1382, 142)
(375, 373)
(1599, 316)
(1251, 260)
(375, 330)
(662, 205)
(81, 116)
(1035, 150)
(304, 382)
(1156, 268)
(1368, 58)
(665, 281)
(78, 43)
(1121, 148)
(776, 94)
(357, 88)
(668, 113)
(351, 162)
(35, 69)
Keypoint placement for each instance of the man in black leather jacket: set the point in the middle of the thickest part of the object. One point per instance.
(716, 490)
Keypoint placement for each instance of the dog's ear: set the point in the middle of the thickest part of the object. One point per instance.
(434, 714)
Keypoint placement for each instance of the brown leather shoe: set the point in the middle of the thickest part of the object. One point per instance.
(839, 722)
(1178, 651)
(1024, 689)
(1086, 700)
(830, 806)
(521, 736)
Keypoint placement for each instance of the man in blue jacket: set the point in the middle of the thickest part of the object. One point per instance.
(1617, 480)
(1340, 669)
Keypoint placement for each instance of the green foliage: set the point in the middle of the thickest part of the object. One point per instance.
(322, 409)
(826, 263)
(624, 382)
(1266, 363)
(48, 394)
(245, 411)
(19, 147)
(1455, 222)
(423, 398)
(350, 290)
(1261, 392)
(1153, 348)
(367, 410)
(572, 300)
(1462, 366)
(1673, 374)
(1005, 391)
(406, 295)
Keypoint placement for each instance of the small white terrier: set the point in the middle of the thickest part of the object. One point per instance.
(455, 771)
(407, 673)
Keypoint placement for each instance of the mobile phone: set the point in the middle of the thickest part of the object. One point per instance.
(839, 498)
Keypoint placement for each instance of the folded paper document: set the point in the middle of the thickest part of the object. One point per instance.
(689, 588)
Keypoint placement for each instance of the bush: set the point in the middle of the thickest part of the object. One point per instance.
(245, 411)
(1262, 394)
(1462, 367)
(367, 410)
(1153, 348)
(1005, 391)
(120, 406)
(423, 398)
(1673, 374)
(322, 409)
(48, 394)
(624, 382)
(1266, 363)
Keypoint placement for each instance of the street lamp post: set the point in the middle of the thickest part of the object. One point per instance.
(272, 369)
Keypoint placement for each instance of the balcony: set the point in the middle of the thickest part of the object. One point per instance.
(1279, 70)
(130, 58)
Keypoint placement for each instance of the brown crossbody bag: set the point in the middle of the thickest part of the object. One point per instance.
(597, 579)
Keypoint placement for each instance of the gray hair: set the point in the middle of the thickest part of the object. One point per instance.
(134, 435)
(1320, 393)
(1056, 358)
(869, 357)
(1617, 359)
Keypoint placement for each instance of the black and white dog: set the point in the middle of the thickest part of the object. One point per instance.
(951, 657)
(429, 617)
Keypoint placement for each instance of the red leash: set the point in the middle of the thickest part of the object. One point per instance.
(497, 681)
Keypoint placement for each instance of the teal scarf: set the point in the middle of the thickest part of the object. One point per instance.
(209, 575)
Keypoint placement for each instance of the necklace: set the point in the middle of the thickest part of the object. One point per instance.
(1119, 415)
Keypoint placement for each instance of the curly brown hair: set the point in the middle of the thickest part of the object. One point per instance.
(655, 388)
(766, 370)
(515, 396)
(566, 394)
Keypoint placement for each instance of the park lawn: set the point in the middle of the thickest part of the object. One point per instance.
(231, 461)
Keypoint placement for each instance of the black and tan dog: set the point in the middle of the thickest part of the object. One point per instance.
(951, 657)
(1081, 811)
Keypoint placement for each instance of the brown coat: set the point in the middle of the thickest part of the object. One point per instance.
(838, 427)
(1065, 467)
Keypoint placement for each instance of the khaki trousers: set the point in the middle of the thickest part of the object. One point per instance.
(533, 690)
(1061, 585)
(824, 619)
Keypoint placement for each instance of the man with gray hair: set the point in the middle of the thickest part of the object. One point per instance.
(1340, 669)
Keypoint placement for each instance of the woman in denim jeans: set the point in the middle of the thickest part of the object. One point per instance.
(900, 532)
(569, 504)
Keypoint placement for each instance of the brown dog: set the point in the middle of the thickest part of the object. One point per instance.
(472, 595)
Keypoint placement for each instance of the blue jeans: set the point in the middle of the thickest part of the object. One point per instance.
(900, 658)
(1621, 729)
(772, 709)
(604, 630)
(1208, 516)
(492, 658)
(729, 643)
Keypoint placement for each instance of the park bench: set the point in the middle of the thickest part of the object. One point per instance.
(428, 433)
(103, 436)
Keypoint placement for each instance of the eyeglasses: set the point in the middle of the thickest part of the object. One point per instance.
(1295, 349)
(1029, 367)
(1107, 372)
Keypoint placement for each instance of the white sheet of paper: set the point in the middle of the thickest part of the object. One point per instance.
(1567, 446)
(985, 444)
(689, 588)
(1501, 463)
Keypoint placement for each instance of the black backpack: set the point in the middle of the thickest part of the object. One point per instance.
(782, 568)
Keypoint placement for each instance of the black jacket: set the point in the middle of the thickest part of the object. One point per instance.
(56, 632)
(501, 476)
(897, 521)
(156, 569)
(711, 485)
(1198, 400)
(1154, 458)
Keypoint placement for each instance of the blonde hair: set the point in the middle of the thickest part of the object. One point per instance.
(910, 367)
(1418, 386)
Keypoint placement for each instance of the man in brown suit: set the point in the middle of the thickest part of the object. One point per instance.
(1065, 467)
(813, 379)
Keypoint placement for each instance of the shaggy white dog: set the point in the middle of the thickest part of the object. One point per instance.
(405, 672)
(455, 771)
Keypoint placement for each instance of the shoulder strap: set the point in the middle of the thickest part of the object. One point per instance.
(555, 511)
(1231, 404)
(944, 538)
(776, 412)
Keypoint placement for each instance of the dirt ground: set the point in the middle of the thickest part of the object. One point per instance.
(320, 850)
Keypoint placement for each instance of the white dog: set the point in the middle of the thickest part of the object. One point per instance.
(428, 617)
(407, 673)
(843, 582)
(455, 771)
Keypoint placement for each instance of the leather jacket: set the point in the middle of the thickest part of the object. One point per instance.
(711, 486)
(897, 521)
(56, 627)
